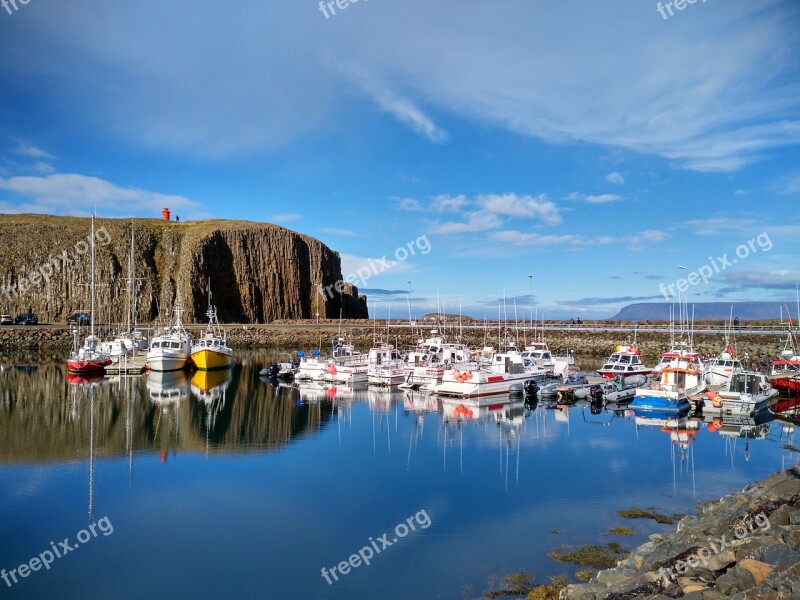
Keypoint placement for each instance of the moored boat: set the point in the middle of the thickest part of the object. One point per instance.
(785, 370)
(719, 369)
(89, 358)
(745, 393)
(171, 351)
(625, 360)
(473, 380)
(211, 351)
(679, 381)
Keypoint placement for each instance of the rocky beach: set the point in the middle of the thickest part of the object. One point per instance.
(745, 546)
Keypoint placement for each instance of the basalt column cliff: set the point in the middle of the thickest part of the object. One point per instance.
(259, 272)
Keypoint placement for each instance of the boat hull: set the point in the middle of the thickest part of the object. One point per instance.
(87, 365)
(208, 360)
(659, 403)
(167, 361)
(789, 383)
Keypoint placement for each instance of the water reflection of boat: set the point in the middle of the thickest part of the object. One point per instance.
(419, 402)
(85, 378)
(166, 387)
(503, 410)
(382, 399)
(208, 386)
(754, 427)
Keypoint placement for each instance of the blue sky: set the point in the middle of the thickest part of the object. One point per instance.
(596, 146)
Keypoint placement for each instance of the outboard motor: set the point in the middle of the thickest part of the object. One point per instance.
(531, 387)
(596, 392)
(274, 370)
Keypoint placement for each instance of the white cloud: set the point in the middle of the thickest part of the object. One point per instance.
(476, 221)
(285, 218)
(518, 238)
(448, 204)
(408, 204)
(32, 152)
(405, 111)
(339, 232)
(526, 207)
(789, 185)
(719, 225)
(615, 178)
(74, 194)
(593, 199)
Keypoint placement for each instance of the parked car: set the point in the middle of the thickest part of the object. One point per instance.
(81, 317)
(6, 320)
(26, 319)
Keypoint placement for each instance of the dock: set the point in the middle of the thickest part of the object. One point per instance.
(135, 365)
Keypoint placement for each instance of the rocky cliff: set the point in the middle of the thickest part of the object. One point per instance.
(259, 272)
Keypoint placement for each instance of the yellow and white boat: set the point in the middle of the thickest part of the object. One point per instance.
(211, 351)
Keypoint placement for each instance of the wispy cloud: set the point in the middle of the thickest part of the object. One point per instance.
(593, 199)
(339, 232)
(29, 151)
(285, 218)
(525, 207)
(408, 204)
(789, 185)
(75, 194)
(615, 178)
(694, 92)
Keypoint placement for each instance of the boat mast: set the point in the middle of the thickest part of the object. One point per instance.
(130, 282)
(91, 321)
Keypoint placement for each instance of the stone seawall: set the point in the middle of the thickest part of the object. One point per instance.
(305, 335)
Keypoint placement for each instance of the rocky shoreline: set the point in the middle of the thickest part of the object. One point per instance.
(745, 545)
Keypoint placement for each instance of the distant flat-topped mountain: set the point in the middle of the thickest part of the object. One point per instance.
(659, 311)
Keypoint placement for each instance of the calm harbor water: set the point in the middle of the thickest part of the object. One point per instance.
(230, 487)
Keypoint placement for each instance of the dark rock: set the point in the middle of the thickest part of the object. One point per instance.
(735, 580)
(777, 553)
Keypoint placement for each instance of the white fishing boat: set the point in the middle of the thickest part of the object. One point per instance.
(718, 370)
(171, 351)
(385, 366)
(473, 380)
(625, 360)
(540, 355)
(424, 370)
(745, 393)
(347, 366)
(131, 341)
(311, 368)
